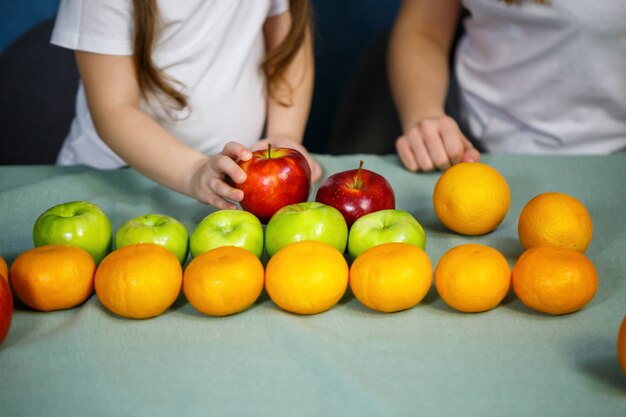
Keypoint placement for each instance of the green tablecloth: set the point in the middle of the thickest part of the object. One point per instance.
(429, 360)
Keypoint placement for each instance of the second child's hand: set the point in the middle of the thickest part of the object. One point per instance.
(435, 143)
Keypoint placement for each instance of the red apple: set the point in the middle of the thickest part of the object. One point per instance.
(6, 308)
(275, 178)
(356, 192)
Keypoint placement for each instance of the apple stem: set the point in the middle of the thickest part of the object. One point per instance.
(357, 181)
(269, 151)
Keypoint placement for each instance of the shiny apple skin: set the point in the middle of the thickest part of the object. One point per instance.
(341, 191)
(6, 309)
(275, 178)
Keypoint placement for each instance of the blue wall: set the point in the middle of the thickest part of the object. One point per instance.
(344, 31)
(17, 16)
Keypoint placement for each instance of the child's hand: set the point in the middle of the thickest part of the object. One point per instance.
(285, 142)
(435, 143)
(209, 179)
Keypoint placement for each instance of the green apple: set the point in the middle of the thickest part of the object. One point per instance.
(159, 229)
(228, 228)
(384, 226)
(75, 223)
(306, 221)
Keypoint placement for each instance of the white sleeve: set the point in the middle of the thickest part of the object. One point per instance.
(100, 26)
(278, 7)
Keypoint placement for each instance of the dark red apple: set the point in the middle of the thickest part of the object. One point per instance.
(275, 178)
(356, 192)
(6, 308)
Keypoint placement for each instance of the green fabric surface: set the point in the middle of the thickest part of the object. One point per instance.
(427, 361)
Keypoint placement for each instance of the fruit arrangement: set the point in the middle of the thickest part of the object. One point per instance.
(140, 271)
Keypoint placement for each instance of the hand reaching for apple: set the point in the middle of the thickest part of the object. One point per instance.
(208, 182)
(285, 142)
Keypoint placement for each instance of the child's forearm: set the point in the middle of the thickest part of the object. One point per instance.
(290, 121)
(418, 80)
(146, 146)
(113, 97)
(418, 59)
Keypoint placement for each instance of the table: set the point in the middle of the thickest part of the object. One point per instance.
(429, 360)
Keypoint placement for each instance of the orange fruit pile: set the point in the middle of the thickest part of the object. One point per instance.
(554, 280)
(306, 277)
(139, 281)
(53, 277)
(223, 281)
(472, 278)
(391, 277)
(555, 219)
(471, 198)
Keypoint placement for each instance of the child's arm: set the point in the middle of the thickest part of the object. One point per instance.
(418, 69)
(285, 125)
(113, 97)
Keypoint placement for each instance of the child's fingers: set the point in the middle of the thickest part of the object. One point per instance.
(219, 203)
(419, 150)
(225, 164)
(431, 134)
(316, 169)
(453, 140)
(219, 187)
(406, 154)
(237, 151)
(213, 192)
(470, 153)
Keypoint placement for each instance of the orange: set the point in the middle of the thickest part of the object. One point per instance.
(554, 280)
(139, 281)
(621, 345)
(223, 281)
(555, 219)
(391, 277)
(306, 277)
(472, 278)
(4, 269)
(53, 277)
(471, 198)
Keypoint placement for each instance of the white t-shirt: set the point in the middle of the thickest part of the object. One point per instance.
(213, 48)
(545, 78)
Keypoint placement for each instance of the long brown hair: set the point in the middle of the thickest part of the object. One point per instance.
(277, 61)
(153, 80)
